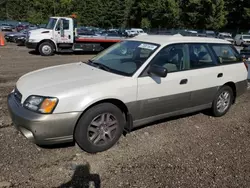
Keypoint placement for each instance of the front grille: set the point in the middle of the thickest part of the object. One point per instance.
(17, 95)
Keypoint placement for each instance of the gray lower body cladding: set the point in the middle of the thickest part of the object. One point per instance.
(150, 110)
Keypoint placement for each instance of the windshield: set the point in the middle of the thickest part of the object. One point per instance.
(51, 24)
(246, 36)
(124, 58)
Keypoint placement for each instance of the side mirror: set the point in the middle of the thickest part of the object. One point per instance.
(158, 71)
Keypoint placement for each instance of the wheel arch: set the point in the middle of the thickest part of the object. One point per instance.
(47, 40)
(118, 103)
(233, 87)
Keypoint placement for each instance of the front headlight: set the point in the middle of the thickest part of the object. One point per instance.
(32, 40)
(44, 105)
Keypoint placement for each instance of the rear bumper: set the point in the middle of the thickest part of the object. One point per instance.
(42, 129)
(31, 45)
(241, 87)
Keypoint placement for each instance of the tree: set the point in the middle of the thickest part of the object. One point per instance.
(238, 13)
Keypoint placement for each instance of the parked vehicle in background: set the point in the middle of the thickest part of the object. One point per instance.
(60, 35)
(242, 40)
(139, 31)
(113, 35)
(131, 33)
(5, 27)
(21, 27)
(86, 33)
(135, 82)
(226, 36)
(42, 26)
(20, 40)
(246, 53)
(206, 33)
(32, 27)
(10, 37)
(210, 33)
(189, 33)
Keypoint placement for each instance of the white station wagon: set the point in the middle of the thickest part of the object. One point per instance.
(132, 83)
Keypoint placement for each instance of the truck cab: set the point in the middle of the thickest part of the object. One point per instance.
(60, 35)
(59, 30)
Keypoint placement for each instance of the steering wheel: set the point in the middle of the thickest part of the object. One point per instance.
(138, 63)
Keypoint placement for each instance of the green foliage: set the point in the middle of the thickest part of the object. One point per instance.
(200, 14)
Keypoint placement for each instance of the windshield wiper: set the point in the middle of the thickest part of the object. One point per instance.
(99, 65)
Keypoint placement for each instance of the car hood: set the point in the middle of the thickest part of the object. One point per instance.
(39, 31)
(53, 81)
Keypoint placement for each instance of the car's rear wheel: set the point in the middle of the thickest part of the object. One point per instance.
(46, 49)
(222, 101)
(99, 128)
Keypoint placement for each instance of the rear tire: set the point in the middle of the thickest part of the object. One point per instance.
(93, 135)
(222, 101)
(46, 49)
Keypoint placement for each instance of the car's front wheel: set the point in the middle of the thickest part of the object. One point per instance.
(99, 128)
(222, 101)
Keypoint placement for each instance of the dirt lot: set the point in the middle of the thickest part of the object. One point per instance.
(191, 151)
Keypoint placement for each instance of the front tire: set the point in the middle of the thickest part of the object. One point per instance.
(222, 101)
(46, 49)
(99, 128)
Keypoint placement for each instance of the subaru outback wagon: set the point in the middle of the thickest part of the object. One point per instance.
(132, 83)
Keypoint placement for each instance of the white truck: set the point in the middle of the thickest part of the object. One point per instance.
(60, 35)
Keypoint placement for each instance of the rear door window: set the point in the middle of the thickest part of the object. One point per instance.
(200, 56)
(226, 54)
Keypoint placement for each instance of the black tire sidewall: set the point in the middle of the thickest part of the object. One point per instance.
(48, 44)
(215, 111)
(81, 130)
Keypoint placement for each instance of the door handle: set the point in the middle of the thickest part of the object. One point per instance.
(184, 81)
(220, 75)
(69, 36)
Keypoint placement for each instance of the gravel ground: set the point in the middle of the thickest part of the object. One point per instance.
(191, 151)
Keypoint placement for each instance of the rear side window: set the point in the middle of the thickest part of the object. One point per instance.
(200, 56)
(226, 53)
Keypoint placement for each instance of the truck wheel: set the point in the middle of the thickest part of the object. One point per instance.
(99, 128)
(222, 101)
(46, 49)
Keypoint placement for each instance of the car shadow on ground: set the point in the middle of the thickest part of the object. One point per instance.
(57, 146)
(34, 52)
(82, 178)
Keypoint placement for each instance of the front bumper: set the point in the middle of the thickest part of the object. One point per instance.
(42, 129)
(31, 45)
(9, 38)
